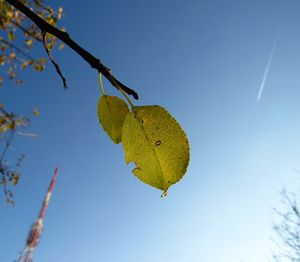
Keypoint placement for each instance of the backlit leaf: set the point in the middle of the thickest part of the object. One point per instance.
(156, 143)
(111, 112)
(16, 180)
(36, 112)
(11, 36)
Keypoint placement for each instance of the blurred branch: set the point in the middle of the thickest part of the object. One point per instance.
(3, 169)
(39, 3)
(22, 28)
(9, 123)
(288, 228)
(19, 50)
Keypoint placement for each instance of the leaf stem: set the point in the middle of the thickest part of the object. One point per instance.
(101, 84)
(165, 193)
(127, 97)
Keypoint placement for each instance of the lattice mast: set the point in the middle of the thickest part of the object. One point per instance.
(37, 226)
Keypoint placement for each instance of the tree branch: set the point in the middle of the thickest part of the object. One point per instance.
(64, 37)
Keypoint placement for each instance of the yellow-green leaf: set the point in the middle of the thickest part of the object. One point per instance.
(36, 67)
(11, 36)
(61, 46)
(36, 112)
(111, 112)
(156, 143)
(3, 128)
(16, 180)
(28, 42)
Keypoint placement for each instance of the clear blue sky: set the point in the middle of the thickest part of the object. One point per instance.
(202, 60)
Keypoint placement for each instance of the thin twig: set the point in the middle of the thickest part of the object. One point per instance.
(53, 61)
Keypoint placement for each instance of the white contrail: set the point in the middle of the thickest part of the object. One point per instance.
(263, 82)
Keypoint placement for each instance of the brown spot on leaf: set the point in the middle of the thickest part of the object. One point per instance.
(157, 143)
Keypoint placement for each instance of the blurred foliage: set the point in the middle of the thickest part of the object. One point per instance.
(18, 38)
(9, 174)
(20, 35)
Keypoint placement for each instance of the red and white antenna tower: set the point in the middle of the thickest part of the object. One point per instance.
(37, 226)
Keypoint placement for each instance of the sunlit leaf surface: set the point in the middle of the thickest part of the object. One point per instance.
(156, 143)
(112, 112)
